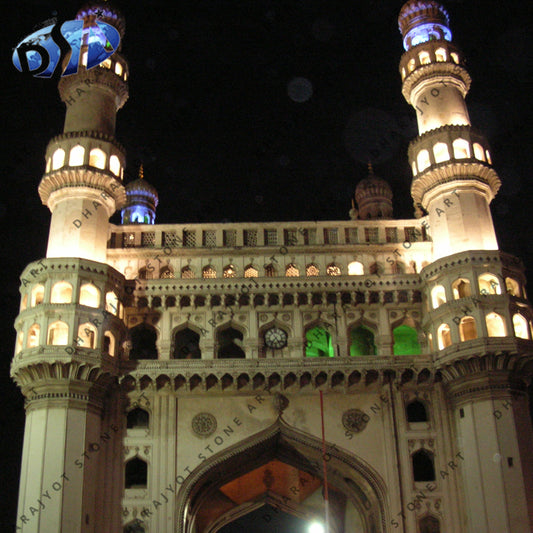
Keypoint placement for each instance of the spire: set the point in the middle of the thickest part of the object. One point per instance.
(141, 172)
(373, 196)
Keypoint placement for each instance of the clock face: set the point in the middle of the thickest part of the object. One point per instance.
(275, 338)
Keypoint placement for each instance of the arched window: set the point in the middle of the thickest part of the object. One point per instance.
(86, 336)
(489, 284)
(114, 165)
(20, 342)
(136, 474)
(230, 271)
(422, 160)
(355, 268)
(58, 159)
(106, 63)
(440, 152)
(138, 419)
(429, 524)
(312, 270)
(97, 158)
(444, 336)
(440, 54)
(512, 286)
(416, 412)
(111, 303)
(292, 271)
(461, 288)
(251, 272)
(438, 296)
(24, 303)
(89, 295)
(318, 343)
(230, 343)
(362, 341)
(109, 343)
(479, 153)
(423, 468)
(489, 159)
(209, 272)
(455, 57)
(76, 156)
(135, 527)
(270, 271)
(144, 273)
(143, 342)
(405, 341)
(413, 167)
(33, 336)
(37, 295)
(48, 165)
(186, 345)
(58, 333)
(424, 58)
(411, 65)
(467, 329)
(333, 270)
(118, 69)
(61, 293)
(403, 73)
(495, 325)
(520, 326)
(461, 149)
(166, 272)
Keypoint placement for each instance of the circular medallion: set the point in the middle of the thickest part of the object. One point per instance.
(276, 338)
(204, 424)
(354, 420)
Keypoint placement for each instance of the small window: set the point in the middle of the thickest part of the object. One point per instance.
(495, 325)
(166, 272)
(33, 336)
(440, 54)
(230, 342)
(455, 57)
(137, 419)
(143, 342)
(271, 237)
(444, 336)
(186, 345)
(521, 329)
(422, 160)
(411, 65)
(86, 336)
(20, 342)
(467, 328)
(461, 288)
(355, 268)
(118, 69)
(333, 270)
(424, 58)
(479, 153)
(312, 270)
(438, 296)
(429, 524)
(37, 295)
(109, 343)
(58, 334)
(413, 168)
(489, 284)
(251, 272)
(512, 286)
(76, 157)
(319, 343)
(292, 270)
(58, 159)
(106, 63)
(416, 412)
(230, 271)
(270, 271)
(208, 272)
(111, 303)
(423, 467)
(97, 158)
(24, 303)
(440, 152)
(461, 149)
(405, 341)
(362, 342)
(136, 474)
(114, 165)
(89, 295)
(61, 293)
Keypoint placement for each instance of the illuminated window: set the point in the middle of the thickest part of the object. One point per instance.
(489, 160)
(495, 325)
(208, 272)
(455, 57)
(114, 165)
(58, 334)
(230, 271)
(48, 165)
(86, 336)
(438, 296)
(106, 63)
(512, 286)
(312, 270)
(111, 303)
(270, 271)
(422, 160)
(230, 342)
(403, 73)
(424, 58)
(489, 284)
(355, 268)
(411, 65)
(166, 272)
(423, 467)
(118, 69)
(520, 326)
(414, 168)
(136, 474)
(109, 343)
(33, 336)
(441, 153)
(318, 343)
(61, 293)
(58, 159)
(333, 270)
(405, 341)
(362, 341)
(125, 76)
(479, 152)
(440, 54)
(24, 302)
(186, 273)
(292, 270)
(444, 337)
(84, 57)
(89, 295)
(97, 158)
(20, 342)
(37, 295)
(461, 288)
(461, 149)
(467, 329)
(186, 345)
(76, 156)
(251, 272)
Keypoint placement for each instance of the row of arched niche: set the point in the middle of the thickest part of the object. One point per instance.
(78, 157)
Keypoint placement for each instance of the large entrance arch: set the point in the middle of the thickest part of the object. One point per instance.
(281, 468)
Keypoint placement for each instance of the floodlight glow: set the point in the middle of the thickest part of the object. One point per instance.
(316, 527)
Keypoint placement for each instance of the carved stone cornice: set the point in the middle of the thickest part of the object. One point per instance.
(96, 135)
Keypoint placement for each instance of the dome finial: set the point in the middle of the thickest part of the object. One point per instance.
(141, 172)
(370, 169)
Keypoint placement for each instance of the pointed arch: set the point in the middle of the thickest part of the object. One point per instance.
(185, 343)
(352, 477)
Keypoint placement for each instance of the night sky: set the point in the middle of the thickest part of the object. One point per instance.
(259, 110)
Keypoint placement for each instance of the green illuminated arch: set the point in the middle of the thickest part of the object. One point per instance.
(406, 341)
(318, 343)
(362, 341)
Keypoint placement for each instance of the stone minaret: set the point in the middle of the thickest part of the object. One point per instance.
(69, 330)
(474, 313)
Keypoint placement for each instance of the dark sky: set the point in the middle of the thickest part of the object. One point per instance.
(213, 117)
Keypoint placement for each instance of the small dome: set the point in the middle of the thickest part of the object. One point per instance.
(105, 12)
(374, 197)
(142, 188)
(142, 199)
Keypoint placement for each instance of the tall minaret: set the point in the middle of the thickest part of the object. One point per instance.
(475, 307)
(82, 185)
(453, 179)
(70, 328)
